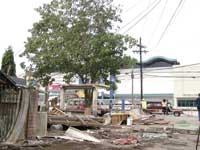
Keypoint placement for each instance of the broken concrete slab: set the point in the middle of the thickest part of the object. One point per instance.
(80, 135)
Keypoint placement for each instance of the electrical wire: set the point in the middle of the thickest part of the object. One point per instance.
(145, 15)
(136, 76)
(143, 29)
(169, 23)
(162, 76)
(133, 6)
(159, 20)
(132, 20)
(166, 68)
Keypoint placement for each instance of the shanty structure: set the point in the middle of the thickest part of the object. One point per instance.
(93, 87)
(10, 100)
(18, 110)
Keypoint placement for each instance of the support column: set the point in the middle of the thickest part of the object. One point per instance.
(32, 115)
(62, 99)
(94, 102)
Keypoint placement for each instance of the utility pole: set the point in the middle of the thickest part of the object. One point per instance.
(141, 65)
(132, 77)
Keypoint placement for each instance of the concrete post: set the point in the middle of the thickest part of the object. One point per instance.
(94, 102)
(32, 115)
(41, 129)
(62, 99)
(175, 103)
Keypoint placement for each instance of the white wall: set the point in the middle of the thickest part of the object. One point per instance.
(154, 81)
(187, 86)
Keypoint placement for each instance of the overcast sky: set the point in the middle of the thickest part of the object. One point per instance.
(180, 41)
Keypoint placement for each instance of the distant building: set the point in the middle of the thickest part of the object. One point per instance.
(157, 83)
(186, 86)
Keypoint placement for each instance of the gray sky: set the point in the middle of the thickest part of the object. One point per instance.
(179, 42)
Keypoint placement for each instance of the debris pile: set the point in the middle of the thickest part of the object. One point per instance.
(56, 116)
(150, 120)
(126, 141)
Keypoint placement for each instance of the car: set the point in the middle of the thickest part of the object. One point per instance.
(156, 107)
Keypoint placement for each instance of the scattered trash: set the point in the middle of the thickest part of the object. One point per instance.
(56, 116)
(129, 121)
(126, 141)
(79, 135)
(107, 119)
(56, 127)
(151, 136)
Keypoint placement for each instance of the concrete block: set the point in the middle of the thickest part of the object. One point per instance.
(41, 125)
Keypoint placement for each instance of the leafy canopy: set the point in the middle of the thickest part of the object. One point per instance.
(77, 38)
(128, 62)
(8, 64)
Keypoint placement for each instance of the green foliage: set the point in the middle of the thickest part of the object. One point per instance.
(8, 64)
(128, 62)
(77, 38)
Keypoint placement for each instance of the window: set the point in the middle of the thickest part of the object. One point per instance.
(186, 103)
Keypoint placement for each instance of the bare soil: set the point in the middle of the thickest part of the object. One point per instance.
(149, 137)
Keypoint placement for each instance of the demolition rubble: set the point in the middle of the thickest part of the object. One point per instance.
(120, 130)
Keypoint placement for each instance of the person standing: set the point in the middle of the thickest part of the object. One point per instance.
(198, 105)
(164, 106)
(144, 105)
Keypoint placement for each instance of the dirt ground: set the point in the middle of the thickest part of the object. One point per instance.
(176, 142)
(143, 137)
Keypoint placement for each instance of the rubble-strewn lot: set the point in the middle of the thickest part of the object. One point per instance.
(179, 134)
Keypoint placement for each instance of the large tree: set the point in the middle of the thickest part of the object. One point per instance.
(128, 62)
(77, 38)
(8, 64)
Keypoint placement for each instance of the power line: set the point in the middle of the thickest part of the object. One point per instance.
(159, 20)
(166, 68)
(162, 76)
(142, 31)
(133, 6)
(146, 14)
(170, 21)
(135, 17)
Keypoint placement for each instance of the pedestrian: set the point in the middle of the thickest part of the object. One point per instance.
(110, 105)
(167, 107)
(164, 106)
(144, 105)
(198, 106)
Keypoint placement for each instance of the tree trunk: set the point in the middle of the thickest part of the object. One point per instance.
(46, 99)
(88, 101)
(88, 111)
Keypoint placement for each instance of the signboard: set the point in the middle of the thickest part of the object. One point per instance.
(55, 86)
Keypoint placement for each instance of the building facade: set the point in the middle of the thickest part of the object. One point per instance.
(186, 86)
(157, 80)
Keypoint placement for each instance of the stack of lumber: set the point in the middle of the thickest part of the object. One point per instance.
(56, 116)
(56, 111)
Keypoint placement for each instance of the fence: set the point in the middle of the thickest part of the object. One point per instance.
(10, 102)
